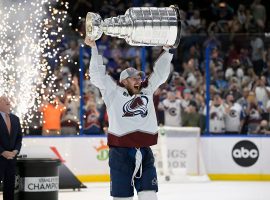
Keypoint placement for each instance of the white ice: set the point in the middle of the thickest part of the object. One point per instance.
(183, 191)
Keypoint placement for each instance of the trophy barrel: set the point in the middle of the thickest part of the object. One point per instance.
(140, 26)
(93, 26)
(154, 26)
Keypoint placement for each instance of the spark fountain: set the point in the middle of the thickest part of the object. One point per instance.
(27, 31)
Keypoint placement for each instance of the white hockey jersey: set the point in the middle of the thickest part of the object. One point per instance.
(172, 112)
(132, 119)
(233, 118)
(217, 118)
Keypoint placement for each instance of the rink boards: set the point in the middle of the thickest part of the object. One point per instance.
(225, 158)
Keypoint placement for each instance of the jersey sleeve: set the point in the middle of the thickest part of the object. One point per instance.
(161, 71)
(98, 76)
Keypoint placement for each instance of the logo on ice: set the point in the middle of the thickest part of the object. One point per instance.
(245, 153)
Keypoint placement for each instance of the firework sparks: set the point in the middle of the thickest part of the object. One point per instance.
(29, 32)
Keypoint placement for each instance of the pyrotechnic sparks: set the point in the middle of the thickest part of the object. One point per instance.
(29, 33)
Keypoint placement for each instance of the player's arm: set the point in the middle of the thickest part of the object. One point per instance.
(161, 70)
(97, 70)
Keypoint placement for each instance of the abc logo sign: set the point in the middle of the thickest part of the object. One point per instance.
(245, 153)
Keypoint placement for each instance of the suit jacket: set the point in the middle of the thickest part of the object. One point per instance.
(10, 141)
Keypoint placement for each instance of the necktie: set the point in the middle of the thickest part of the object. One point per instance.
(8, 122)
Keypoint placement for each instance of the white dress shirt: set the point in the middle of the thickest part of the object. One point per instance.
(4, 116)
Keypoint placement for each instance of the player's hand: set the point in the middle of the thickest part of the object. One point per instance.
(88, 41)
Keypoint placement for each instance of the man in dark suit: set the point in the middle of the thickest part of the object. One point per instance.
(10, 145)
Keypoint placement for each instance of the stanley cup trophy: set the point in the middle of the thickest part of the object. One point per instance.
(140, 26)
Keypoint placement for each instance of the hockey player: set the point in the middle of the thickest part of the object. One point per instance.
(132, 125)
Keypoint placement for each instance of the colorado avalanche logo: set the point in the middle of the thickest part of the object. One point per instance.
(136, 106)
(233, 113)
(172, 111)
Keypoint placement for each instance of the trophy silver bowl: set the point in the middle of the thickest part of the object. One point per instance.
(140, 26)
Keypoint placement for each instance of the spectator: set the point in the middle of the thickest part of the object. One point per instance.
(257, 46)
(220, 82)
(73, 51)
(234, 70)
(267, 73)
(217, 115)
(259, 13)
(234, 88)
(263, 128)
(262, 92)
(172, 110)
(241, 14)
(266, 114)
(187, 97)
(91, 124)
(191, 117)
(70, 119)
(243, 101)
(52, 112)
(250, 78)
(254, 114)
(233, 117)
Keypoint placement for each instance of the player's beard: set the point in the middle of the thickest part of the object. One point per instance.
(134, 89)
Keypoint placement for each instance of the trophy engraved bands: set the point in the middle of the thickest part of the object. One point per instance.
(140, 26)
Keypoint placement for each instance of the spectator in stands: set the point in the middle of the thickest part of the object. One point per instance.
(234, 25)
(187, 97)
(257, 46)
(235, 61)
(259, 13)
(217, 115)
(91, 123)
(233, 116)
(254, 113)
(172, 110)
(70, 119)
(223, 11)
(52, 112)
(195, 20)
(266, 114)
(244, 58)
(241, 14)
(73, 51)
(250, 25)
(234, 70)
(191, 117)
(243, 101)
(216, 62)
(250, 78)
(262, 92)
(267, 72)
(263, 128)
(234, 88)
(220, 82)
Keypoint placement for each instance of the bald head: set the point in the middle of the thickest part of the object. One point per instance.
(5, 104)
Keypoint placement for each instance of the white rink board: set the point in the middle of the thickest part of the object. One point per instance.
(218, 158)
(89, 155)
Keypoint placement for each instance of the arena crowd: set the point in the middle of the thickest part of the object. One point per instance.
(235, 31)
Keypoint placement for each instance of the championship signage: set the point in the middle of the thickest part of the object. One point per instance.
(39, 184)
